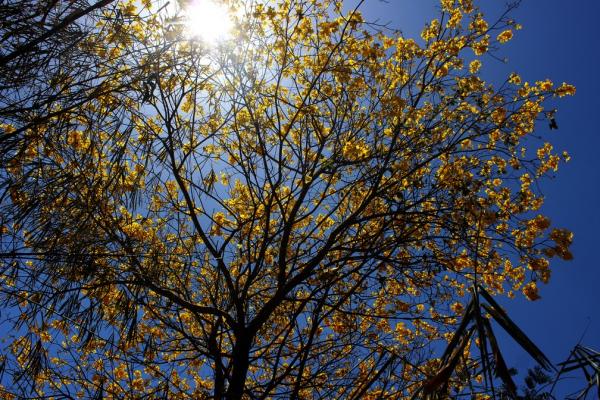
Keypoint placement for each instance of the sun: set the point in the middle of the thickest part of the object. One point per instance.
(208, 20)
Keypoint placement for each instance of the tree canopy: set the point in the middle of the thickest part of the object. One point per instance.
(314, 207)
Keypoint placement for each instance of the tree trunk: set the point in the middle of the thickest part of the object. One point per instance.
(241, 362)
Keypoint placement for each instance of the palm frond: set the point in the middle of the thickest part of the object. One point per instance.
(514, 331)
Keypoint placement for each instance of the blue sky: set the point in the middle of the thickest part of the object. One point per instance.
(558, 41)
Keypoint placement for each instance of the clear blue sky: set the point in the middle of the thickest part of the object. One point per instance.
(559, 40)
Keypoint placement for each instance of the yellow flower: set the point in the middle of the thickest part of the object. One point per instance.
(224, 179)
(402, 333)
(455, 19)
(447, 4)
(7, 128)
(45, 336)
(482, 46)
(219, 218)
(442, 71)
(545, 85)
(457, 308)
(355, 150)
(474, 66)
(531, 291)
(120, 372)
(219, 222)
(540, 222)
(431, 31)
(479, 25)
(505, 36)
(135, 231)
(514, 79)
(77, 140)
(565, 90)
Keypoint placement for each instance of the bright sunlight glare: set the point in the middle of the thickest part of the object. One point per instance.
(208, 20)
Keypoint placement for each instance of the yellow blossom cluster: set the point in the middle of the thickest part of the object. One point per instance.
(505, 36)
(354, 150)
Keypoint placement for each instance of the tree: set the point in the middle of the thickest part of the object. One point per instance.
(295, 213)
